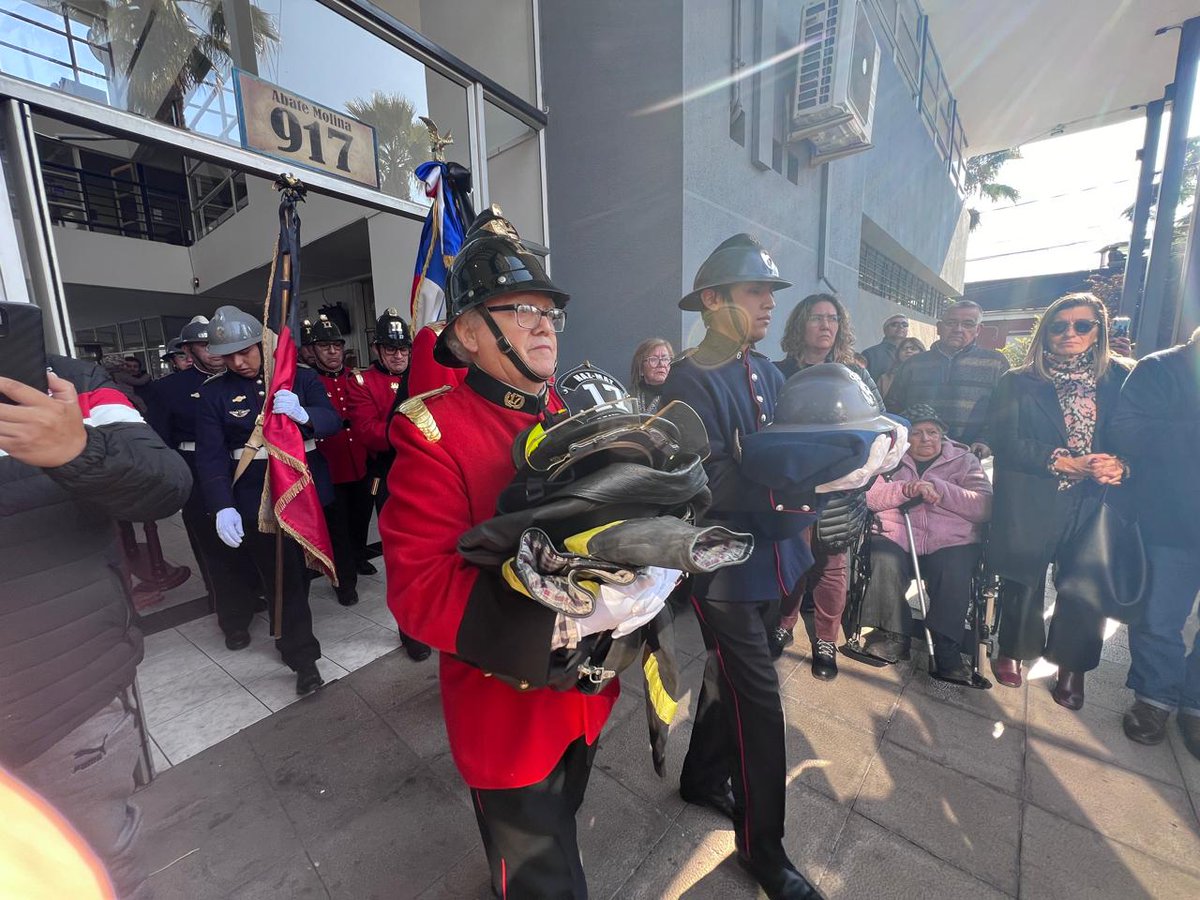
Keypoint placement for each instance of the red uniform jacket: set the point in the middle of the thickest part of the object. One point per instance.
(424, 372)
(347, 457)
(447, 477)
(371, 395)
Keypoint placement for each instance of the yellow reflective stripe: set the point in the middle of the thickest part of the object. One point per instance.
(537, 434)
(664, 705)
(578, 543)
(514, 582)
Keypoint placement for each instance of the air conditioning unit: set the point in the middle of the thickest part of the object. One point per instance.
(838, 71)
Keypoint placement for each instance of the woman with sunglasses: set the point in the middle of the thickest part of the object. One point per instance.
(1049, 431)
(650, 368)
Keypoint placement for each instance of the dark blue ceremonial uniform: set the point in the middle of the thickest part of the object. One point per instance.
(229, 407)
(738, 735)
(228, 576)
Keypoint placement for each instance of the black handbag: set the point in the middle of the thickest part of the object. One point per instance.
(1103, 566)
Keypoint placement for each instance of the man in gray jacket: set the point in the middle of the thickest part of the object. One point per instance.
(71, 462)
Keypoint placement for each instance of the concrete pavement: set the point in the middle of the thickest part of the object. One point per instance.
(899, 787)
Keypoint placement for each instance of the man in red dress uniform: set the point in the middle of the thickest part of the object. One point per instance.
(373, 395)
(349, 516)
(524, 749)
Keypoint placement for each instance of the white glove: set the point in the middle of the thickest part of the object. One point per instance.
(288, 404)
(883, 456)
(229, 526)
(623, 609)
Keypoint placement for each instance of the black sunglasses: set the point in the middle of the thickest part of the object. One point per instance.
(1082, 326)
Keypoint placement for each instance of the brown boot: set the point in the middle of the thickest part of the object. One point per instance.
(1007, 671)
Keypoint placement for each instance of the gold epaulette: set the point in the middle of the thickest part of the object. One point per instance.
(415, 410)
(358, 377)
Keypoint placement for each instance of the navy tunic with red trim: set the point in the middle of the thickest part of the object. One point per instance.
(734, 390)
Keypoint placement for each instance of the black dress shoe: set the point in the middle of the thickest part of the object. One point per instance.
(308, 679)
(237, 640)
(364, 567)
(416, 651)
(824, 661)
(1189, 727)
(1145, 724)
(347, 597)
(948, 661)
(778, 639)
(887, 646)
(718, 799)
(781, 882)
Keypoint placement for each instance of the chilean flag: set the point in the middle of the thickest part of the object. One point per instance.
(289, 499)
(441, 237)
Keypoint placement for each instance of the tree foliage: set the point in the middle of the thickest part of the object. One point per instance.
(980, 181)
(403, 141)
(162, 50)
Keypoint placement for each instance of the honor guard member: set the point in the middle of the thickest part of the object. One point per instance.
(229, 407)
(738, 735)
(175, 356)
(349, 516)
(525, 750)
(375, 393)
(173, 407)
(306, 354)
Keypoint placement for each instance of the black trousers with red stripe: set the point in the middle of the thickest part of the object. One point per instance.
(529, 833)
(738, 731)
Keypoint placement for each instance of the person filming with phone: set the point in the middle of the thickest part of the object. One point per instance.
(75, 456)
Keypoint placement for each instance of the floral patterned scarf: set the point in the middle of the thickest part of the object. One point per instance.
(1075, 384)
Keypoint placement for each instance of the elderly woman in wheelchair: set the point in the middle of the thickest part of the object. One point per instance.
(942, 487)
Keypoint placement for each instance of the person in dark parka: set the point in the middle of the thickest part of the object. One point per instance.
(1157, 427)
(1049, 426)
(70, 464)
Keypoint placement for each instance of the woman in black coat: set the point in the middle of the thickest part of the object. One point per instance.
(1048, 430)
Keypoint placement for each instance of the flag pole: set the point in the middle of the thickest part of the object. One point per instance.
(285, 298)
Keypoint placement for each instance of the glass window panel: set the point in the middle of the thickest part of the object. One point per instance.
(131, 335)
(370, 79)
(34, 12)
(154, 331)
(515, 171)
(495, 37)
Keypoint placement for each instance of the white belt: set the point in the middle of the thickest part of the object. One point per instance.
(309, 447)
(187, 446)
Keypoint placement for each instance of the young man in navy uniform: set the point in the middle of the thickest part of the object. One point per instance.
(173, 403)
(738, 737)
(524, 749)
(349, 516)
(374, 394)
(229, 406)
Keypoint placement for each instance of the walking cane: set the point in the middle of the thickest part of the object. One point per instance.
(922, 597)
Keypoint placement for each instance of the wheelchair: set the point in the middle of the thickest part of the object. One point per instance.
(980, 624)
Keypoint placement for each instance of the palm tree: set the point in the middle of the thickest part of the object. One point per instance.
(403, 142)
(161, 54)
(980, 180)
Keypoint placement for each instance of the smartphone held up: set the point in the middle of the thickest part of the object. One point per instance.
(22, 345)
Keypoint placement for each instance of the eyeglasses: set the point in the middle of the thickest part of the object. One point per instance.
(658, 361)
(529, 315)
(829, 318)
(964, 324)
(1082, 326)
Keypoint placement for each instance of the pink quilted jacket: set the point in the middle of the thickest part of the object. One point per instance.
(965, 507)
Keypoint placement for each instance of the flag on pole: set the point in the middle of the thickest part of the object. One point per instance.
(289, 500)
(448, 185)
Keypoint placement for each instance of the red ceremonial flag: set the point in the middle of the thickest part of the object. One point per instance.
(289, 498)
